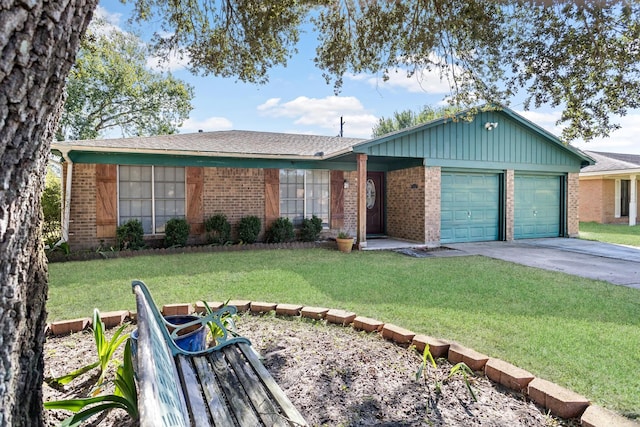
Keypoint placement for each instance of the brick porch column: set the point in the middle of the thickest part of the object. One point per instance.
(361, 161)
(633, 200)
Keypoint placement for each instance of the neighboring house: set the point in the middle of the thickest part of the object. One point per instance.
(497, 177)
(609, 189)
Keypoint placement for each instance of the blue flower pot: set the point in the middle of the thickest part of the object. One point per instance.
(190, 339)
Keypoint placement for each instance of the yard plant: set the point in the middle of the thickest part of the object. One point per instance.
(580, 333)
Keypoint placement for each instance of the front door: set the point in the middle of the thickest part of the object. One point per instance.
(375, 205)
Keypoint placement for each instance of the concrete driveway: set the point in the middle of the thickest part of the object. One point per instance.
(616, 264)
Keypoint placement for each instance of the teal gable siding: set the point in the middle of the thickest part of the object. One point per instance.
(514, 144)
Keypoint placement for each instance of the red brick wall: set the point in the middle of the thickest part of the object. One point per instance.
(350, 204)
(509, 204)
(433, 184)
(82, 227)
(234, 192)
(406, 202)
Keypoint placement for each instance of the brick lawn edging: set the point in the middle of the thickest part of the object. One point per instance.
(58, 256)
(558, 400)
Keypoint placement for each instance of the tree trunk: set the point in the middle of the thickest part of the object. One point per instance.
(38, 43)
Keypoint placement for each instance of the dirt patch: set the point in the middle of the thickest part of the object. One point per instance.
(337, 376)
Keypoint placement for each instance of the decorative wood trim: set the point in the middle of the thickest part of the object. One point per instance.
(337, 200)
(195, 199)
(271, 196)
(106, 200)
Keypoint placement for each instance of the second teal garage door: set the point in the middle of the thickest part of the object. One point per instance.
(537, 207)
(470, 207)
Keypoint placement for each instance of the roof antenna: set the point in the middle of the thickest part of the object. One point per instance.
(341, 126)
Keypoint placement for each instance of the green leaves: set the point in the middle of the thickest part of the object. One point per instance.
(125, 397)
(580, 56)
(407, 118)
(426, 356)
(106, 348)
(464, 370)
(112, 86)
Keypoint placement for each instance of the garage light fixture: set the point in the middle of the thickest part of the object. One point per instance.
(490, 126)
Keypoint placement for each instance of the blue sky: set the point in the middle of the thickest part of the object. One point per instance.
(298, 100)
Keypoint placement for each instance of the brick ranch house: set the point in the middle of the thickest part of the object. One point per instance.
(609, 189)
(496, 177)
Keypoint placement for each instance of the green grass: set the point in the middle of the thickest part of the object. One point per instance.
(620, 234)
(580, 333)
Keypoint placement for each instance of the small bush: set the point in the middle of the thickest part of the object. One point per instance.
(51, 209)
(311, 228)
(130, 235)
(218, 229)
(280, 231)
(176, 232)
(249, 229)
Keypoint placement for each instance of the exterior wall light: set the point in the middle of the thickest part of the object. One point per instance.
(345, 184)
(490, 126)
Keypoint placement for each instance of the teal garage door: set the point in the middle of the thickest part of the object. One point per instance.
(537, 207)
(470, 207)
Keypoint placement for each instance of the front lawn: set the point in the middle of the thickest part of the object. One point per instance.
(620, 234)
(580, 333)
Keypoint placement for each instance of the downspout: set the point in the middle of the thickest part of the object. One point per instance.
(66, 208)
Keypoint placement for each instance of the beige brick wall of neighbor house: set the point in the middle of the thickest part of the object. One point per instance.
(573, 220)
(82, 227)
(591, 201)
(234, 192)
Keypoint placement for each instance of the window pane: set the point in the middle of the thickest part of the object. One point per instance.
(304, 193)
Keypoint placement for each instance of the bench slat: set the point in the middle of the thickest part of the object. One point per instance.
(193, 396)
(218, 407)
(238, 401)
(254, 388)
(283, 401)
(223, 386)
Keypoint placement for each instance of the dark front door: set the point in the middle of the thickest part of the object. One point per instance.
(374, 203)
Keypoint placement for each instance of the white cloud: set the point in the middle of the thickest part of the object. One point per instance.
(624, 140)
(324, 113)
(423, 80)
(546, 120)
(174, 62)
(207, 125)
(112, 18)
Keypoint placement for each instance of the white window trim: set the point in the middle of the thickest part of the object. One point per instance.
(617, 199)
(153, 196)
(304, 199)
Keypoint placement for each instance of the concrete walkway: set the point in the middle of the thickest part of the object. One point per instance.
(616, 264)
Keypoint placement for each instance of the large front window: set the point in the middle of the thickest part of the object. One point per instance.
(304, 193)
(151, 194)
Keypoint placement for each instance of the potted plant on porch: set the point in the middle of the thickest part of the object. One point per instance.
(344, 241)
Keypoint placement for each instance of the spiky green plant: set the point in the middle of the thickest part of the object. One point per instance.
(124, 397)
(464, 370)
(215, 331)
(105, 349)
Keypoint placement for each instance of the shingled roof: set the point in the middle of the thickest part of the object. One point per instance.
(222, 143)
(606, 162)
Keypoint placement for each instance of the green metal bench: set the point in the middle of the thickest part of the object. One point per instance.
(225, 385)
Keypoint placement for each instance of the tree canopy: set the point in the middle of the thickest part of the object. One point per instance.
(581, 56)
(111, 86)
(407, 118)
